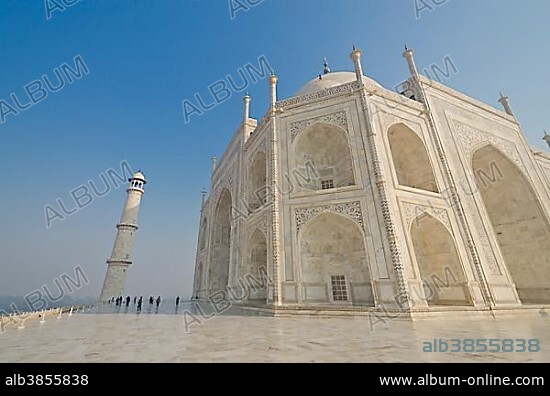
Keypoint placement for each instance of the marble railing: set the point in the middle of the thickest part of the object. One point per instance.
(18, 319)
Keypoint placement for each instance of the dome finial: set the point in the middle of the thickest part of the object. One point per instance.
(326, 70)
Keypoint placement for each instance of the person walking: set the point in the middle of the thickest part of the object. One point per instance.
(140, 301)
(158, 301)
(127, 300)
(177, 301)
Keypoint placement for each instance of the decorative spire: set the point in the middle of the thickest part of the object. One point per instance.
(272, 92)
(326, 70)
(506, 105)
(203, 196)
(355, 56)
(409, 56)
(214, 163)
(246, 101)
(546, 138)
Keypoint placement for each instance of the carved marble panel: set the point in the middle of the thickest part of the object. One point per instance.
(261, 225)
(317, 96)
(472, 139)
(412, 211)
(338, 119)
(351, 210)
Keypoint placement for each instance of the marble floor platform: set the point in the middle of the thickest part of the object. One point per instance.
(110, 334)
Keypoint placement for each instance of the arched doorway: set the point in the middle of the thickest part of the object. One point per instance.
(325, 148)
(520, 225)
(410, 159)
(334, 265)
(198, 281)
(256, 267)
(256, 186)
(438, 262)
(202, 238)
(221, 243)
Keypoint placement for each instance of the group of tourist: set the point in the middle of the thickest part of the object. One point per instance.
(121, 301)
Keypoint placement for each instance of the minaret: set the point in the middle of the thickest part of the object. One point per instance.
(120, 260)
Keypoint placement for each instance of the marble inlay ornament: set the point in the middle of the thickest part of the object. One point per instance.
(414, 211)
(316, 96)
(472, 139)
(259, 225)
(351, 210)
(339, 119)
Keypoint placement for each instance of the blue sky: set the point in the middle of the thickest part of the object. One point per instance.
(145, 57)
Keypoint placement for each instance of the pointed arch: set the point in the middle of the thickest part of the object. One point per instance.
(203, 234)
(256, 264)
(221, 243)
(438, 262)
(333, 261)
(325, 148)
(519, 222)
(256, 188)
(410, 159)
(198, 281)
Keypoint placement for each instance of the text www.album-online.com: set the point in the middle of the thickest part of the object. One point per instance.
(434, 380)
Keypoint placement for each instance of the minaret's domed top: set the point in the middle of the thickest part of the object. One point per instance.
(331, 80)
(138, 176)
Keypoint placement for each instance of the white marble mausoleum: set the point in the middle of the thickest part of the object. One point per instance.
(352, 194)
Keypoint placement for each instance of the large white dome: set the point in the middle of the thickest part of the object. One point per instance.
(330, 80)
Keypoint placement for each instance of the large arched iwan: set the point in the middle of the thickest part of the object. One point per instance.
(333, 261)
(256, 266)
(410, 159)
(519, 223)
(256, 189)
(324, 147)
(442, 276)
(221, 243)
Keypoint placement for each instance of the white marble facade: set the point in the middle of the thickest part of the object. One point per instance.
(352, 194)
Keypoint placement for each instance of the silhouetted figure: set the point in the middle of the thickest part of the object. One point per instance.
(140, 301)
(158, 301)
(177, 301)
(127, 300)
(135, 298)
(151, 300)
